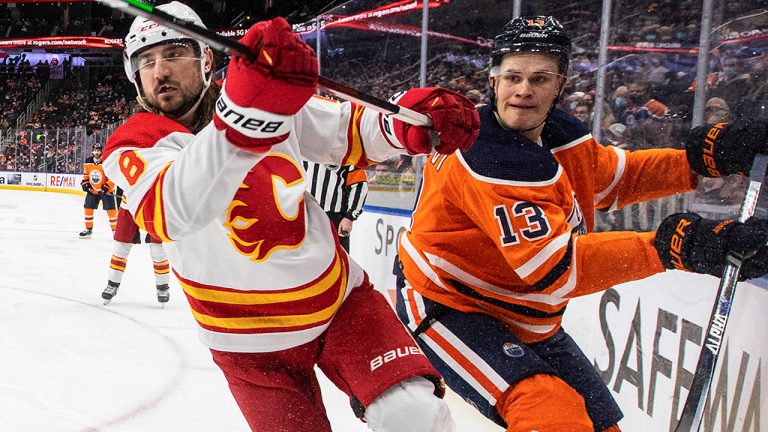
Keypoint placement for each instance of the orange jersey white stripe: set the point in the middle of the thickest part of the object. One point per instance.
(502, 228)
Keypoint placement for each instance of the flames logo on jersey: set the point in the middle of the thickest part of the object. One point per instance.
(267, 212)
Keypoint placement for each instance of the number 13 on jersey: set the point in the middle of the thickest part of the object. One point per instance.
(536, 223)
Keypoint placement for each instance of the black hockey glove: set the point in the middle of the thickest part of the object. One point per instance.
(105, 189)
(686, 241)
(721, 150)
(86, 185)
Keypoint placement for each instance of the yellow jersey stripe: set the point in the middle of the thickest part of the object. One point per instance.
(280, 321)
(257, 298)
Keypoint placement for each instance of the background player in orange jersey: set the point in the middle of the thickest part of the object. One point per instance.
(502, 239)
(97, 188)
(273, 292)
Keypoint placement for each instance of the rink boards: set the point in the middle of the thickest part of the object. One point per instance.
(45, 182)
(644, 337)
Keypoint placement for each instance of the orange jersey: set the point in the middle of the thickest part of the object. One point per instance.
(93, 172)
(505, 228)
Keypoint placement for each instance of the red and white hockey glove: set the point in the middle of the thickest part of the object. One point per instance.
(454, 117)
(260, 98)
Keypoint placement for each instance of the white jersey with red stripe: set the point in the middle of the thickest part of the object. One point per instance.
(257, 258)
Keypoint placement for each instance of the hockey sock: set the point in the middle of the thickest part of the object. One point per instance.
(112, 219)
(89, 218)
(160, 262)
(119, 261)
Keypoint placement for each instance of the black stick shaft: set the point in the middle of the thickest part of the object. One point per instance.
(693, 409)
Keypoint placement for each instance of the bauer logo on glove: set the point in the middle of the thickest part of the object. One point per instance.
(723, 149)
(686, 241)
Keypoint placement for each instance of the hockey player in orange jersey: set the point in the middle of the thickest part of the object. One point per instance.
(259, 261)
(502, 238)
(97, 188)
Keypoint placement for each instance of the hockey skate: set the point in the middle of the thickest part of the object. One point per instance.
(110, 291)
(163, 295)
(86, 233)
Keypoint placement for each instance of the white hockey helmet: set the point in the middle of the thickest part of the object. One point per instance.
(145, 33)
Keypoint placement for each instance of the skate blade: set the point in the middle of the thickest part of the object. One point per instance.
(106, 302)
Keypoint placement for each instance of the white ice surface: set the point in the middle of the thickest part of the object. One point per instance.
(68, 363)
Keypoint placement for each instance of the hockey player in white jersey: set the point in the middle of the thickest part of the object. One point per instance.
(271, 289)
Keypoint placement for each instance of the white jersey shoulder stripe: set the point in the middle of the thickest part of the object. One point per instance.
(420, 262)
(550, 249)
(573, 143)
(621, 164)
(470, 280)
(570, 284)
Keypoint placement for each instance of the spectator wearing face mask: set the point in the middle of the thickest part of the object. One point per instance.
(619, 101)
(717, 111)
(583, 111)
(733, 83)
(616, 135)
(755, 104)
(572, 100)
(642, 108)
(729, 71)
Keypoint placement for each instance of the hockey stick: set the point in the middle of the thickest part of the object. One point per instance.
(693, 410)
(230, 46)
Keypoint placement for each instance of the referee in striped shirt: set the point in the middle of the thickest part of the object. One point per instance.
(340, 191)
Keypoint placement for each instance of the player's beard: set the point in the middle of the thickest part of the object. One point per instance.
(179, 106)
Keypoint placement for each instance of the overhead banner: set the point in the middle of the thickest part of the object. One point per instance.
(91, 42)
(62, 42)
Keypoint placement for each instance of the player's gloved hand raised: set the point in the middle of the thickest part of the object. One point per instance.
(86, 185)
(268, 91)
(454, 117)
(284, 76)
(686, 241)
(723, 149)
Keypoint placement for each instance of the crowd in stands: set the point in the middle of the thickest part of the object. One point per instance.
(94, 97)
(89, 100)
(16, 91)
(84, 18)
(650, 78)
